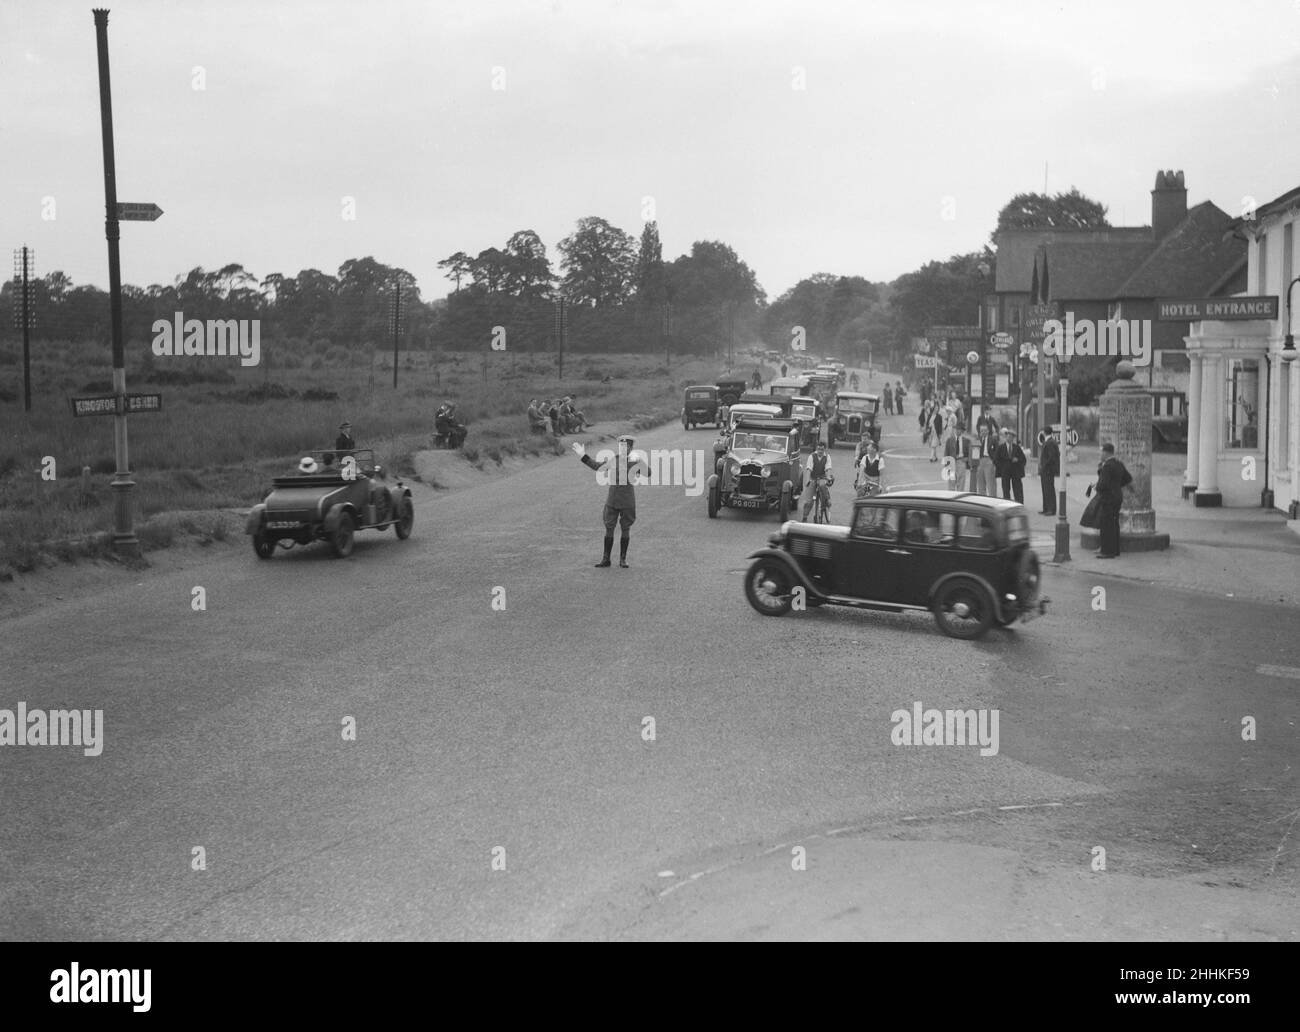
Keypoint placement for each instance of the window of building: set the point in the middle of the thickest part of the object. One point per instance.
(1013, 317)
(1241, 398)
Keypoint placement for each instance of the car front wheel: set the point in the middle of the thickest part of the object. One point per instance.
(715, 501)
(263, 545)
(963, 609)
(767, 587)
(405, 519)
(341, 539)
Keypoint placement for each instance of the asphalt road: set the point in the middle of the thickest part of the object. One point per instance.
(517, 735)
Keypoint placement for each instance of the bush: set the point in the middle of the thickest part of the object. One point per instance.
(155, 535)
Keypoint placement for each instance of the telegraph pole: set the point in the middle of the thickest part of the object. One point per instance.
(24, 265)
(124, 539)
(397, 318)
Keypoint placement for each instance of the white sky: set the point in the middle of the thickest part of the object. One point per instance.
(691, 103)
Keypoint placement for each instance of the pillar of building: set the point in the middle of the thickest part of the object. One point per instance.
(1193, 426)
(1207, 478)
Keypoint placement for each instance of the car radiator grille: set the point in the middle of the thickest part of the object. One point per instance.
(750, 480)
(812, 549)
(855, 424)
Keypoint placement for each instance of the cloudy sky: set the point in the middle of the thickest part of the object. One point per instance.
(853, 137)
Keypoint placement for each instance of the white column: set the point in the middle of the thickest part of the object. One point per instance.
(1294, 430)
(1207, 479)
(1193, 422)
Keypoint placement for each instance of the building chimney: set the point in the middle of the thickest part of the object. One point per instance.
(1168, 203)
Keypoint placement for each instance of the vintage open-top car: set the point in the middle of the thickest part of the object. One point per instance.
(700, 405)
(856, 414)
(760, 469)
(346, 492)
(963, 557)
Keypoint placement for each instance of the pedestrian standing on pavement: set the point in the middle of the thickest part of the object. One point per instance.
(935, 427)
(623, 471)
(1009, 461)
(889, 401)
(784, 368)
(1049, 468)
(1112, 478)
(898, 397)
(982, 457)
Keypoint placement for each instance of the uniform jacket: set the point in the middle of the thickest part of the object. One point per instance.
(623, 471)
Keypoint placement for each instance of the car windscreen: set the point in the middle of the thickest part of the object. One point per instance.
(758, 442)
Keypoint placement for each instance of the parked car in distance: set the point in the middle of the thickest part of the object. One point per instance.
(760, 469)
(790, 385)
(963, 557)
(349, 492)
(700, 405)
(856, 414)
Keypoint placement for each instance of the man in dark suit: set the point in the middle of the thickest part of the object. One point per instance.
(344, 442)
(1049, 468)
(1112, 478)
(1009, 462)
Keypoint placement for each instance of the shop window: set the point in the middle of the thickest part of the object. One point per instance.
(1241, 399)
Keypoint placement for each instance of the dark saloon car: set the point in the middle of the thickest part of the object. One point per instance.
(343, 492)
(856, 414)
(963, 557)
(700, 405)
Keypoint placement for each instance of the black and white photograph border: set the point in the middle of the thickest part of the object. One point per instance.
(412, 423)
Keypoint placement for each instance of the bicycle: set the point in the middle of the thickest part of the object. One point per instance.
(868, 487)
(822, 500)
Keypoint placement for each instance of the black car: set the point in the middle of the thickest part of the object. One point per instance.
(963, 557)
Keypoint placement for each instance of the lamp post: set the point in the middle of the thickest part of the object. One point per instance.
(1288, 355)
(1062, 521)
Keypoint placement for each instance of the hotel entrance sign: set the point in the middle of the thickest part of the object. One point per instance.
(1224, 309)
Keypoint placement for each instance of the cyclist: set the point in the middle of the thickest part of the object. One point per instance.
(820, 478)
(853, 381)
(870, 465)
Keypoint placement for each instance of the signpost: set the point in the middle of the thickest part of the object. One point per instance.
(109, 404)
(1035, 317)
(131, 211)
(124, 539)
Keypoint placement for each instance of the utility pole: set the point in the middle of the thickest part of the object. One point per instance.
(397, 321)
(124, 539)
(561, 324)
(24, 266)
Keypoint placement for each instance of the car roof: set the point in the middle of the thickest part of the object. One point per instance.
(1003, 505)
(701, 387)
(768, 423)
(857, 394)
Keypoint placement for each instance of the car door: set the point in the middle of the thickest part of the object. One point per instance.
(869, 565)
(928, 548)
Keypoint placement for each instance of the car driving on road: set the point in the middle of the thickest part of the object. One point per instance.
(760, 469)
(332, 497)
(963, 557)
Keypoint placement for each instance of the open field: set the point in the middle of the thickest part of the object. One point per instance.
(224, 431)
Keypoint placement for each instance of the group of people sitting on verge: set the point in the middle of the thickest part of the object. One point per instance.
(448, 427)
(556, 417)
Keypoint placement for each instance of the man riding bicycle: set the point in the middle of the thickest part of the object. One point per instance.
(820, 478)
(870, 465)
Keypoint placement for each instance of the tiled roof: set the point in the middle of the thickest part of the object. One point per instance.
(1016, 249)
(1089, 271)
(1190, 260)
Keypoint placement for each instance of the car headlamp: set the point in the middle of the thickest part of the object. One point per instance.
(767, 471)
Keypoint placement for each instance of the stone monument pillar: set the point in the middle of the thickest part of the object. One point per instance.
(1126, 422)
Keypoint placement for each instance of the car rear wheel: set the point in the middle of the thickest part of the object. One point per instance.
(263, 545)
(405, 519)
(715, 501)
(341, 539)
(963, 609)
(767, 587)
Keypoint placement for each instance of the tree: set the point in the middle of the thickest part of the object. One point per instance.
(526, 269)
(649, 278)
(458, 266)
(1064, 211)
(599, 261)
(489, 269)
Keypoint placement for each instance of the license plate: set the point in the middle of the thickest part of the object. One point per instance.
(750, 503)
(283, 524)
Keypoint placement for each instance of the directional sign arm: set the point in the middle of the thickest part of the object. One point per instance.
(129, 211)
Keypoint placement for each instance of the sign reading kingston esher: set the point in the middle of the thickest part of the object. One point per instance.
(106, 404)
(1224, 309)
